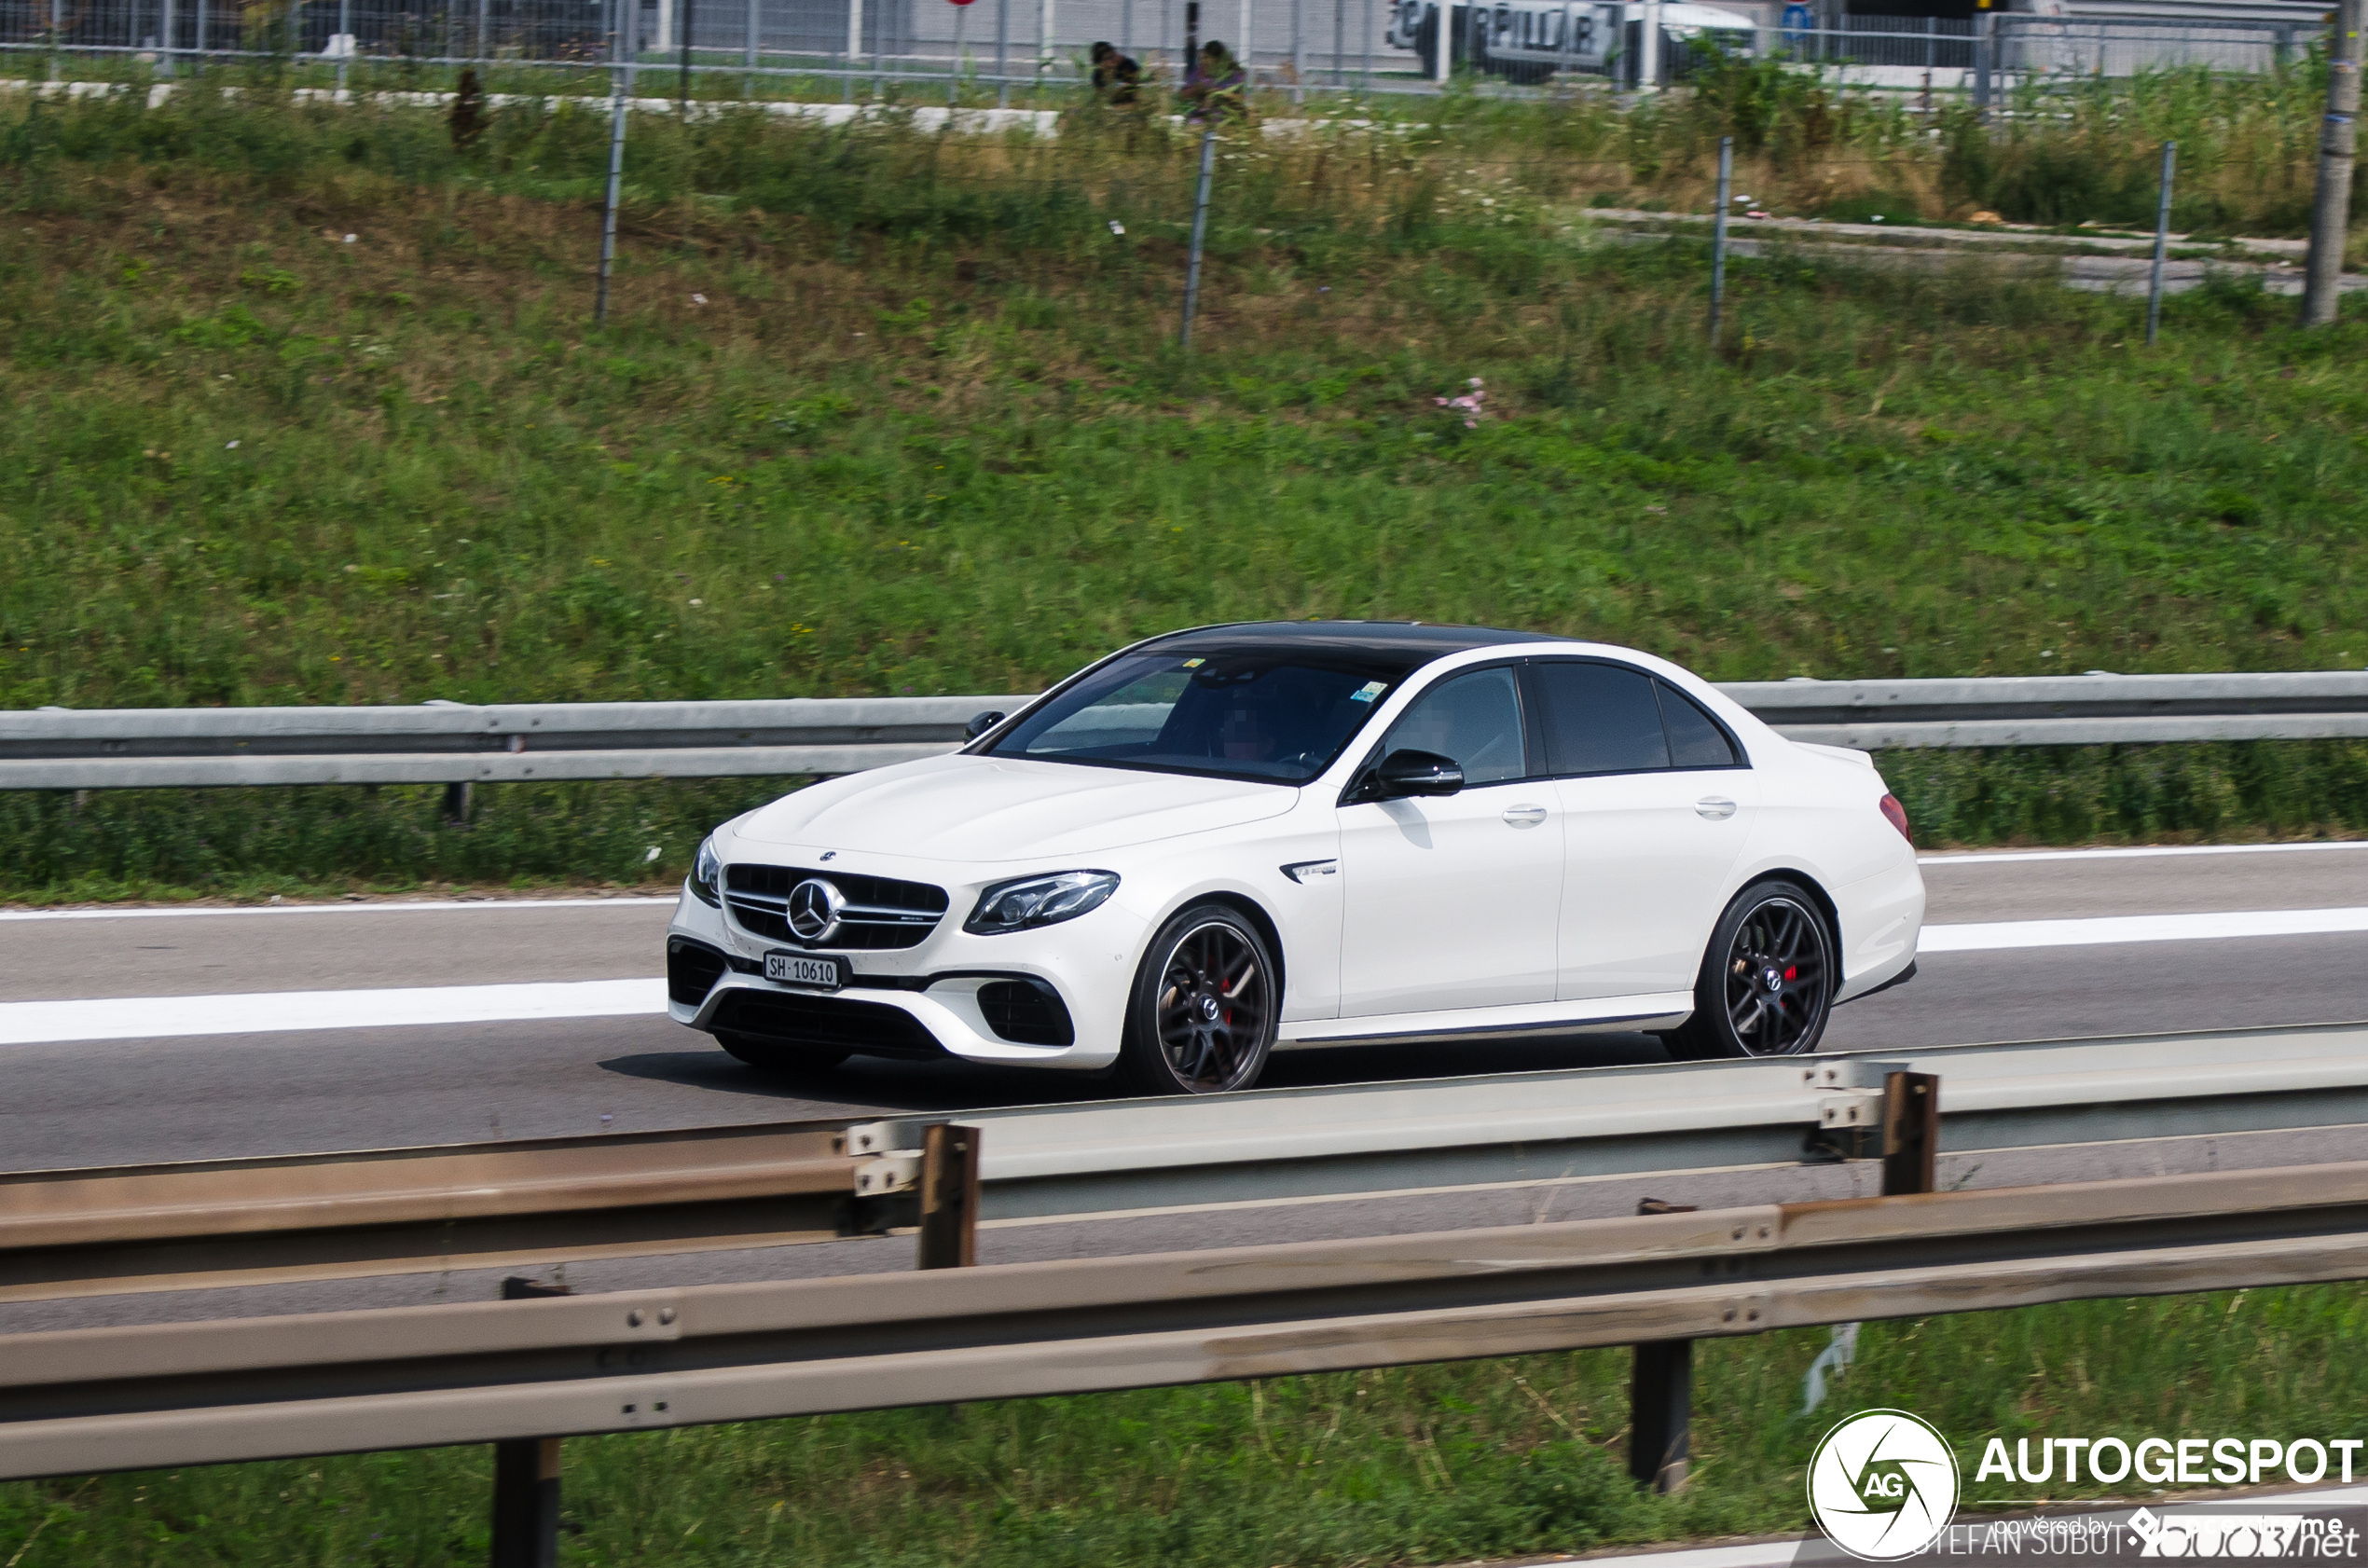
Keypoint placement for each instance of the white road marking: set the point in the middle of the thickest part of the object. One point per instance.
(1997, 857)
(272, 1011)
(275, 1011)
(1991, 936)
(184, 911)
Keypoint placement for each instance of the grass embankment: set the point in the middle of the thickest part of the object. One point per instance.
(880, 413)
(1427, 1465)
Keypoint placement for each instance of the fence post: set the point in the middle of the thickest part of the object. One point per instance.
(1718, 233)
(683, 94)
(1299, 48)
(619, 89)
(1002, 52)
(749, 50)
(1985, 56)
(1200, 232)
(854, 48)
(1648, 73)
(953, 72)
(949, 1196)
(2162, 243)
(1340, 43)
(196, 64)
(2323, 298)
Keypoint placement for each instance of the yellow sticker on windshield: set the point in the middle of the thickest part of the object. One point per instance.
(1194, 664)
(1369, 691)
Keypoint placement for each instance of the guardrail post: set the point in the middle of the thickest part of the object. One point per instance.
(949, 1196)
(1911, 1132)
(1661, 1413)
(457, 798)
(526, 1478)
(526, 1503)
(1661, 1399)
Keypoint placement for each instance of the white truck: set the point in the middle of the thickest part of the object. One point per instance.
(1529, 40)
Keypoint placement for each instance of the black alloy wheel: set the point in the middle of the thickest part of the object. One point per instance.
(1203, 1017)
(780, 1055)
(1767, 983)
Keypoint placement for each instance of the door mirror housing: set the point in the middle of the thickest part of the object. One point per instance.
(1416, 773)
(982, 723)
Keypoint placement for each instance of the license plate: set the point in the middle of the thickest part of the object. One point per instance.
(799, 968)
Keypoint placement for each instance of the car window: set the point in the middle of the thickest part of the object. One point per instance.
(1600, 719)
(1253, 715)
(1695, 740)
(1475, 719)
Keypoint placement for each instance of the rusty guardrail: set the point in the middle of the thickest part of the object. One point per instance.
(100, 1399)
(213, 1222)
(524, 1202)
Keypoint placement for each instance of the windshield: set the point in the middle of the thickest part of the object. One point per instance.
(1272, 715)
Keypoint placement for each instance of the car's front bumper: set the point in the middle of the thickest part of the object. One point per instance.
(922, 1000)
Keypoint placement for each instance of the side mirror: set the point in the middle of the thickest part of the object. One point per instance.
(980, 723)
(1416, 773)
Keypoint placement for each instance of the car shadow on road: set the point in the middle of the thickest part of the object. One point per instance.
(864, 1083)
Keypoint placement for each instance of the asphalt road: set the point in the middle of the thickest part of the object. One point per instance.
(163, 1095)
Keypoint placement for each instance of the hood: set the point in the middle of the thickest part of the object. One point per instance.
(1000, 809)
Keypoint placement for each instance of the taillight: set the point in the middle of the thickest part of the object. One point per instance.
(1896, 815)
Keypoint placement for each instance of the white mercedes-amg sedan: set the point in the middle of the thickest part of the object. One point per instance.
(1222, 843)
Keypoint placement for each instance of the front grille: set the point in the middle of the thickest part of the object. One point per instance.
(833, 1023)
(881, 913)
(1026, 1013)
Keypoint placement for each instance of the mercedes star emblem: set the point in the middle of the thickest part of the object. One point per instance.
(813, 910)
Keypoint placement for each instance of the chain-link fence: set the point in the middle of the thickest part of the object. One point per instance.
(1000, 46)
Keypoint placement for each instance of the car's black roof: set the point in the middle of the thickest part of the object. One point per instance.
(1404, 644)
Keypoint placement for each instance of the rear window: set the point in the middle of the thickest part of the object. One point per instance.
(1600, 719)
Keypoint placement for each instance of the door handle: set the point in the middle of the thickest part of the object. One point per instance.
(1524, 816)
(1716, 807)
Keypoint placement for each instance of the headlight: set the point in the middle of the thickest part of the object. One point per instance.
(707, 876)
(1040, 900)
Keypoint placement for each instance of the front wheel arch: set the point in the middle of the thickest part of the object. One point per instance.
(1255, 912)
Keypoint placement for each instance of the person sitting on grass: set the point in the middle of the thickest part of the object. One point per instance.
(1116, 77)
(1220, 95)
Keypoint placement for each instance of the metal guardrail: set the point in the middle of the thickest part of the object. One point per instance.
(103, 1399)
(207, 1223)
(450, 743)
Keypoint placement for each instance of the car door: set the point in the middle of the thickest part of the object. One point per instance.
(1451, 901)
(1656, 799)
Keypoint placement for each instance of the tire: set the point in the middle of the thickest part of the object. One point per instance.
(1203, 1013)
(1767, 982)
(779, 1055)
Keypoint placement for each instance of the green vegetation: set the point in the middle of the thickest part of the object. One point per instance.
(1427, 1465)
(881, 412)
